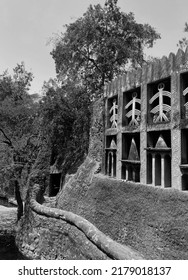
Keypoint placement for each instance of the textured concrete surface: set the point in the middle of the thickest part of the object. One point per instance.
(151, 220)
(51, 233)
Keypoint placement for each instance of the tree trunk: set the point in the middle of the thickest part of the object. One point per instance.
(19, 200)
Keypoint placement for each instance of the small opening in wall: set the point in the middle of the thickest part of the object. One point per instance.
(184, 146)
(159, 158)
(112, 112)
(114, 165)
(110, 156)
(130, 140)
(167, 171)
(131, 108)
(123, 171)
(184, 95)
(149, 169)
(54, 184)
(110, 164)
(185, 182)
(130, 173)
(159, 101)
(111, 141)
(137, 175)
(158, 170)
(154, 136)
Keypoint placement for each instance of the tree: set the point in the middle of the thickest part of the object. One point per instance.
(65, 121)
(183, 43)
(19, 129)
(92, 50)
(98, 46)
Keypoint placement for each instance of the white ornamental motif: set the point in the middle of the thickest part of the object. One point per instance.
(161, 108)
(135, 113)
(114, 116)
(185, 93)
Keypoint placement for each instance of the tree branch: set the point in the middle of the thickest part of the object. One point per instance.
(90, 59)
(7, 141)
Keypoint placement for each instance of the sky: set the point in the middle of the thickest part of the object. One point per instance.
(27, 26)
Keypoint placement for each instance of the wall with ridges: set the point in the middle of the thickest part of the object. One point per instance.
(150, 72)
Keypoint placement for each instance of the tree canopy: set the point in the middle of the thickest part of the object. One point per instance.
(19, 129)
(65, 112)
(92, 50)
(98, 45)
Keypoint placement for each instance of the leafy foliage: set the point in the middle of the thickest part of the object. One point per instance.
(15, 86)
(65, 119)
(98, 46)
(92, 50)
(183, 43)
(19, 127)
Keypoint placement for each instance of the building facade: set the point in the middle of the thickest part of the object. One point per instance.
(146, 124)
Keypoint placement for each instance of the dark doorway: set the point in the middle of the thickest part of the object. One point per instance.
(114, 165)
(54, 184)
(167, 171)
(185, 182)
(149, 169)
(158, 170)
(130, 173)
(110, 164)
